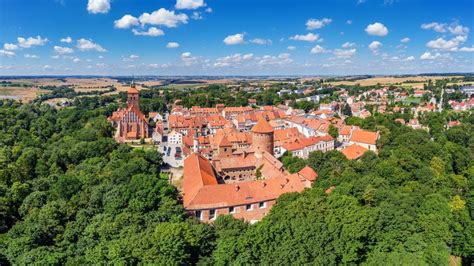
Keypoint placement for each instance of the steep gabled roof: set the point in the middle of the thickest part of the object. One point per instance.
(198, 172)
(308, 173)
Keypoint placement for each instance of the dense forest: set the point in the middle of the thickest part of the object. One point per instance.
(70, 195)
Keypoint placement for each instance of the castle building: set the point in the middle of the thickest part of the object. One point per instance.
(244, 183)
(130, 122)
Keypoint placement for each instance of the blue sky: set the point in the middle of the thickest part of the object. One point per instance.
(230, 37)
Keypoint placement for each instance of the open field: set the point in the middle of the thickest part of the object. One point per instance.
(20, 93)
(413, 81)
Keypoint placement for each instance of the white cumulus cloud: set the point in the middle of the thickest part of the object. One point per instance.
(446, 45)
(7, 53)
(377, 29)
(429, 56)
(234, 39)
(31, 41)
(467, 49)
(409, 58)
(318, 50)
(232, 60)
(341, 53)
(291, 48)
(151, 32)
(172, 45)
(438, 27)
(189, 4)
(405, 40)
(98, 6)
(31, 56)
(310, 37)
(10, 46)
(163, 17)
(348, 45)
(458, 30)
(130, 58)
(66, 40)
(312, 23)
(261, 41)
(63, 50)
(88, 45)
(374, 46)
(126, 22)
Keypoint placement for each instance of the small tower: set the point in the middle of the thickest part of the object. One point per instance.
(132, 95)
(262, 138)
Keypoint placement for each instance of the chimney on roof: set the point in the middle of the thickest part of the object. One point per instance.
(237, 187)
(264, 184)
(282, 186)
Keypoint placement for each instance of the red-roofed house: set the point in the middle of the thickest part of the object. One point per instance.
(354, 151)
(365, 139)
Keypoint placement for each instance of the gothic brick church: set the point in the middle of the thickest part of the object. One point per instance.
(130, 122)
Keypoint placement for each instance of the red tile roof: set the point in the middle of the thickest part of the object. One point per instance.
(225, 142)
(364, 136)
(308, 173)
(198, 172)
(262, 126)
(285, 134)
(132, 90)
(354, 151)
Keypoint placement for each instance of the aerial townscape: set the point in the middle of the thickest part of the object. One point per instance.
(351, 142)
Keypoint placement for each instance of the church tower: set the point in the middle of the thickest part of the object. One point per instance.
(262, 138)
(132, 96)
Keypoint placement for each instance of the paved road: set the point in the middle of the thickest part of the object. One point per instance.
(440, 108)
(169, 158)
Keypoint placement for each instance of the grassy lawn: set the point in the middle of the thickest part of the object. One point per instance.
(412, 100)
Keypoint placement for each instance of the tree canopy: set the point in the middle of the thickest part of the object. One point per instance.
(70, 194)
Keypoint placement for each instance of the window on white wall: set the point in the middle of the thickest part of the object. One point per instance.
(212, 214)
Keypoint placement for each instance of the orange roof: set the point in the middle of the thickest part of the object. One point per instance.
(121, 113)
(354, 151)
(224, 195)
(364, 136)
(262, 126)
(198, 172)
(301, 143)
(285, 134)
(225, 142)
(345, 130)
(132, 90)
(308, 173)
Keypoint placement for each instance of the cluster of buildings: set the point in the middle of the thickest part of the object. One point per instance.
(463, 105)
(244, 183)
(231, 154)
